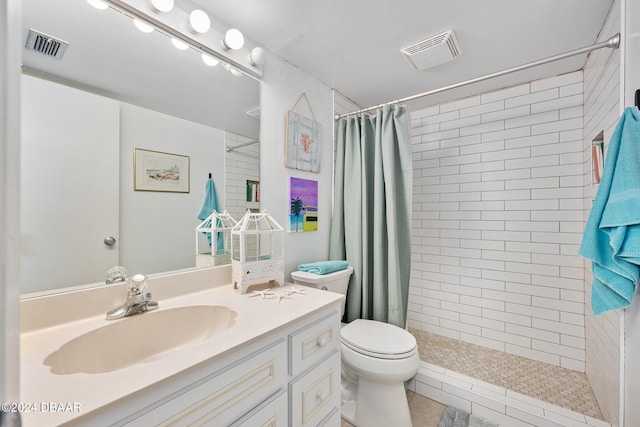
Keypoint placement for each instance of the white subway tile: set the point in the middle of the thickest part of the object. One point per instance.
(506, 337)
(482, 129)
(574, 330)
(506, 114)
(538, 334)
(532, 162)
(507, 255)
(558, 126)
(482, 147)
(532, 98)
(512, 92)
(534, 354)
(483, 108)
(534, 118)
(506, 317)
(547, 226)
(573, 353)
(482, 264)
(506, 175)
(511, 133)
(483, 341)
(460, 104)
(534, 312)
(542, 291)
(550, 182)
(558, 104)
(533, 141)
(557, 81)
(482, 283)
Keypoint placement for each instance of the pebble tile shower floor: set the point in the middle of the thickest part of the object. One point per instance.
(559, 386)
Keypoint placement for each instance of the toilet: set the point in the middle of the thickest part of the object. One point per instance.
(377, 358)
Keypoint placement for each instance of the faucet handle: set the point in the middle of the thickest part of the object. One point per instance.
(117, 274)
(138, 283)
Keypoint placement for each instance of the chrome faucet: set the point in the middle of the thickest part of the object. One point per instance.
(138, 301)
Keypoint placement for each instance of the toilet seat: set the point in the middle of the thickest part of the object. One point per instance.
(378, 339)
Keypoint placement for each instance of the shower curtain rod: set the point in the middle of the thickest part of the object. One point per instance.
(230, 148)
(612, 43)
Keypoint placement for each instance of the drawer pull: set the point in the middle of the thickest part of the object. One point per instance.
(322, 341)
(322, 396)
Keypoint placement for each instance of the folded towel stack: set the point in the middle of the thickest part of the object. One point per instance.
(323, 267)
(611, 238)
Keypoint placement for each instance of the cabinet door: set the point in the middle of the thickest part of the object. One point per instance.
(315, 394)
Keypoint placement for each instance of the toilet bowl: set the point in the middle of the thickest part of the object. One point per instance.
(377, 358)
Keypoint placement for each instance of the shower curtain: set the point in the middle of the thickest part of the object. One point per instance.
(371, 222)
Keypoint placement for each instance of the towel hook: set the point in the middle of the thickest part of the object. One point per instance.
(637, 98)
(209, 175)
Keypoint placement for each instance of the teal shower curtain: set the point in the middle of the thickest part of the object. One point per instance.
(371, 222)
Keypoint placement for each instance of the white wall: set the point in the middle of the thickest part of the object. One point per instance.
(601, 114)
(157, 230)
(497, 221)
(281, 87)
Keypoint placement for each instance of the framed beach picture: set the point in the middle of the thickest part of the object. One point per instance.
(303, 140)
(303, 207)
(158, 171)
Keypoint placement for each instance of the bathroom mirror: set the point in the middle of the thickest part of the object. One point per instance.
(150, 96)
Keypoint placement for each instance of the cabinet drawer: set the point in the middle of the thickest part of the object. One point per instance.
(225, 395)
(272, 413)
(313, 343)
(334, 419)
(315, 394)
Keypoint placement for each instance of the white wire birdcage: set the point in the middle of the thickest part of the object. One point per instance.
(217, 249)
(257, 251)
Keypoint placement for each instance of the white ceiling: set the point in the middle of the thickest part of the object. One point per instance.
(354, 45)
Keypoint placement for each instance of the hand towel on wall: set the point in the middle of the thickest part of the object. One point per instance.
(611, 238)
(210, 204)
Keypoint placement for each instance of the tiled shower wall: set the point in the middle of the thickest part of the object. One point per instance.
(601, 114)
(498, 218)
(241, 164)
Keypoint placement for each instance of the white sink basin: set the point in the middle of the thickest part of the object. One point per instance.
(139, 338)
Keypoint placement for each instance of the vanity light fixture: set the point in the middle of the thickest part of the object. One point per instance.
(179, 44)
(232, 70)
(161, 5)
(199, 21)
(98, 4)
(142, 26)
(209, 60)
(257, 56)
(233, 39)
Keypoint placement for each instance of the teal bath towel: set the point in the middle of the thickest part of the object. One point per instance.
(611, 238)
(210, 204)
(323, 267)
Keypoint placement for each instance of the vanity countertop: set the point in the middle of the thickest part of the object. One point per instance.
(51, 399)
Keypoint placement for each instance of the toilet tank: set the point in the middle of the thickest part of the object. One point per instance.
(338, 281)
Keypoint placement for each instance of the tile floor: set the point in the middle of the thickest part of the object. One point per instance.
(559, 386)
(424, 412)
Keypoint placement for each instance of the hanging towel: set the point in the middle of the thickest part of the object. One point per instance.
(210, 204)
(323, 267)
(611, 238)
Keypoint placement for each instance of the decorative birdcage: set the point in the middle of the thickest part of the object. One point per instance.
(257, 247)
(217, 228)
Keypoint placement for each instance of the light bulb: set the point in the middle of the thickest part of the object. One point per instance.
(199, 21)
(209, 60)
(233, 39)
(142, 26)
(179, 44)
(257, 56)
(162, 5)
(98, 4)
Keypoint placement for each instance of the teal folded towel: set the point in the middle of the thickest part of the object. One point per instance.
(323, 267)
(611, 238)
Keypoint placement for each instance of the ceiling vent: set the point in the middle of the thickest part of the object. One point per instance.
(433, 51)
(46, 45)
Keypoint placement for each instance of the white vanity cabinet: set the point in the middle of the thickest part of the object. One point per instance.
(290, 377)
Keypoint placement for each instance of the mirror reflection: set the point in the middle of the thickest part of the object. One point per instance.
(114, 90)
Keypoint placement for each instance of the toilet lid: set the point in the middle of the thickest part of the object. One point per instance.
(378, 339)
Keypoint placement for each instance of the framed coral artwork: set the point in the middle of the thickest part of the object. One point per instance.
(303, 140)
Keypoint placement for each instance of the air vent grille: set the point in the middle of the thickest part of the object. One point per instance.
(433, 51)
(45, 44)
